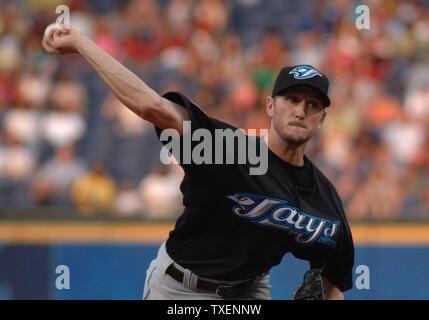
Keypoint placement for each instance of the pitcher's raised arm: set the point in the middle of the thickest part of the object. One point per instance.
(132, 91)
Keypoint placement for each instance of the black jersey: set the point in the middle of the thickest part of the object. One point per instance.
(236, 226)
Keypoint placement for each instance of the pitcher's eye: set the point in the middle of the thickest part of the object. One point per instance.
(293, 99)
(314, 105)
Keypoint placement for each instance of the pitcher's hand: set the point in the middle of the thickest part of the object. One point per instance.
(62, 41)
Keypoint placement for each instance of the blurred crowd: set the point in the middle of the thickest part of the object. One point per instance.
(66, 141)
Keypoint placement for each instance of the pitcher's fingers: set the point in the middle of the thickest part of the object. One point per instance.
(50, 41)
(57, 33)
(64, 30)
(48, 47)
(51, 33)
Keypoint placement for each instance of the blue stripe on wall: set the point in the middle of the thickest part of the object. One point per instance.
(103, 271)
(116, 271)
(23, 272)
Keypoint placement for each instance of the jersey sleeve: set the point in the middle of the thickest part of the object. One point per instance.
(198, 117)
(185, 144)
(338, 268)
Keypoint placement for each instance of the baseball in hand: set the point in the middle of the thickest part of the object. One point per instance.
(49, 28)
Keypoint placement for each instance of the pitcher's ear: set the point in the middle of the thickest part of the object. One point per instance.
(269, 105)
(323, 117)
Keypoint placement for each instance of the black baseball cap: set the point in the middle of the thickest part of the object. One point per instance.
(303, 75)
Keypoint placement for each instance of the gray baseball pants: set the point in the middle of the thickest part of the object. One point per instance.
(160, 286)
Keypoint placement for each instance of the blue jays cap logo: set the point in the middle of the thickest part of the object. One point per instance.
(304, 72)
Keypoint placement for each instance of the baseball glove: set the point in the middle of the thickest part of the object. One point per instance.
(311, 288)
